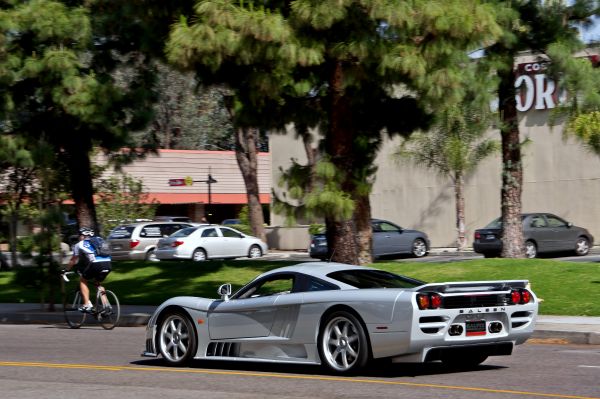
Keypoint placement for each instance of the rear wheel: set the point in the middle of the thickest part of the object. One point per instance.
(582, 246)
(530, 249)
(343, 346)
(151, 256)
(419, 248)
(176, 338)
(255, 252)
(109, 310)
(71, 304)
(199, 255)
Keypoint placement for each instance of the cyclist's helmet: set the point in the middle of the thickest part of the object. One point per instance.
(86, 231)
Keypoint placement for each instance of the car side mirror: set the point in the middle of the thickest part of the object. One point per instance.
(224, 291)
(569, 224)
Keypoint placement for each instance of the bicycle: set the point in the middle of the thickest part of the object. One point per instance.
(106, 311)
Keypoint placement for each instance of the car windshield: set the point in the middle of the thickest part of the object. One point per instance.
(497, 223)
(374, 279)
(184, 232)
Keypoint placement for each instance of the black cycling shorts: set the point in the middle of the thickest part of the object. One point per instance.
(95, 271)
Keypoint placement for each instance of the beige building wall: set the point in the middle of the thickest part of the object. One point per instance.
(560, 177)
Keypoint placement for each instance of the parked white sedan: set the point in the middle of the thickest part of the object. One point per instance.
(209, 242)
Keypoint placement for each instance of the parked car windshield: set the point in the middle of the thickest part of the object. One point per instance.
(184, 232)
(374, 279)
(121, 232)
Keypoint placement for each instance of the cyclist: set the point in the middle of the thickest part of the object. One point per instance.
(89, 265)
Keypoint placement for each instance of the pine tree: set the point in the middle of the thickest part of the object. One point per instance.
(367, 65)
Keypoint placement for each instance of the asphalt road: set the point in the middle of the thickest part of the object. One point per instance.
(53, 362)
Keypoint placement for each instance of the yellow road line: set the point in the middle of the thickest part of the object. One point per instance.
(285, 376)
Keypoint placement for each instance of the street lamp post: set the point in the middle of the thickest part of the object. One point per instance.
(188, 182)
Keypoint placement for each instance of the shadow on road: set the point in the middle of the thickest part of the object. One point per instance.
(380, 369)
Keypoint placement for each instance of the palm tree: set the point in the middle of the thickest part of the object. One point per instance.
(453, 148)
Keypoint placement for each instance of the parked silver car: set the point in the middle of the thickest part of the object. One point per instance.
(137, 241)
(209, 242)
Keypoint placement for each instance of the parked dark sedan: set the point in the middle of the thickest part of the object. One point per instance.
(543, 233)
(388, 239)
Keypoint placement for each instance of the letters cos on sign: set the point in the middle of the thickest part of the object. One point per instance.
(535, 89)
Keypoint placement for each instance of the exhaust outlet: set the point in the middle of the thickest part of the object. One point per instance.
(495, 327)
(455, 329)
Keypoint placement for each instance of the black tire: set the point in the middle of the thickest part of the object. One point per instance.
(151, 256)
(72, 301)
(199, 255)
(464, 362)
(490, 255)
(582, 246)
(255, 252)
(530, 249)
(109, 310)
(342, 343)
(176, 338)
(419, 248)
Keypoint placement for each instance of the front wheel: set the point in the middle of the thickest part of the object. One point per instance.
(255, 252)
(419, 248)
(71, 304)
(199, 255)
(530, 250)
(582, 246)
(109, 310)
(342, 344)
(176, 338)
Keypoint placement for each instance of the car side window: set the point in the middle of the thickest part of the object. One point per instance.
(168, 229)
(210, 233)
(388, 227)
(151, 231)
(316, 285)
(538, 221)
(553, 221)
(277, 285)
(230, 233)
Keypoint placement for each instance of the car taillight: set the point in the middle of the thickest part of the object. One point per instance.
(477, 235)
(435, 301)
(423, 301)
(133, 243)
(520, 297)
(176, 243)
(429, 301)
(515, 297)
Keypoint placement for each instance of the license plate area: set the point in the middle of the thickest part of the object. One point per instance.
(475, 327)
(490, 237)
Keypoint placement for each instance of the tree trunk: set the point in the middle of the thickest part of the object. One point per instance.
(459, 195)
(364, 232)
(341, 240)
(512, 170)
(245, 153)
(78, 161)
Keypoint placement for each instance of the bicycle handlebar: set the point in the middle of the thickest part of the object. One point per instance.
(64, 275)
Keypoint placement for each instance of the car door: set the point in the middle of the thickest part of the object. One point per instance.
(390, 239)
(212, 243)
(562, 235)
(233, 242)
(536, 228)
(251, 314)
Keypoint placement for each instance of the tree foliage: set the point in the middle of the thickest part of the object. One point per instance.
(358, 67)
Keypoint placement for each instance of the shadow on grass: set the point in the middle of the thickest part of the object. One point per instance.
(377, 369)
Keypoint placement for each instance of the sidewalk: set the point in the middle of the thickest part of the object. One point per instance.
(567, 329)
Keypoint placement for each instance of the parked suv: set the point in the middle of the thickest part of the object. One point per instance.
(136, 241)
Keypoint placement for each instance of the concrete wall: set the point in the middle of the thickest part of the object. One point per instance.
(560, 176)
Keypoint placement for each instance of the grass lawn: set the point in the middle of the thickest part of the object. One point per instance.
(567, 288)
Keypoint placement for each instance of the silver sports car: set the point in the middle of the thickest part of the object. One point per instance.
(342, 316)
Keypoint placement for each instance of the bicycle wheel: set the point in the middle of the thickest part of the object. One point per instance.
(72, 301)
(108, 311)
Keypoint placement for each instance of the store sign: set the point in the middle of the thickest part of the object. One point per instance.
(536, 90)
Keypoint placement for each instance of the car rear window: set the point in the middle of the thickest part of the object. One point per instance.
(374, 279)
(121, 232)
(184, 232)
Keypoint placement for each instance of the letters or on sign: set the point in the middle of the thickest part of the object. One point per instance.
(189, 181)
(176, 182)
